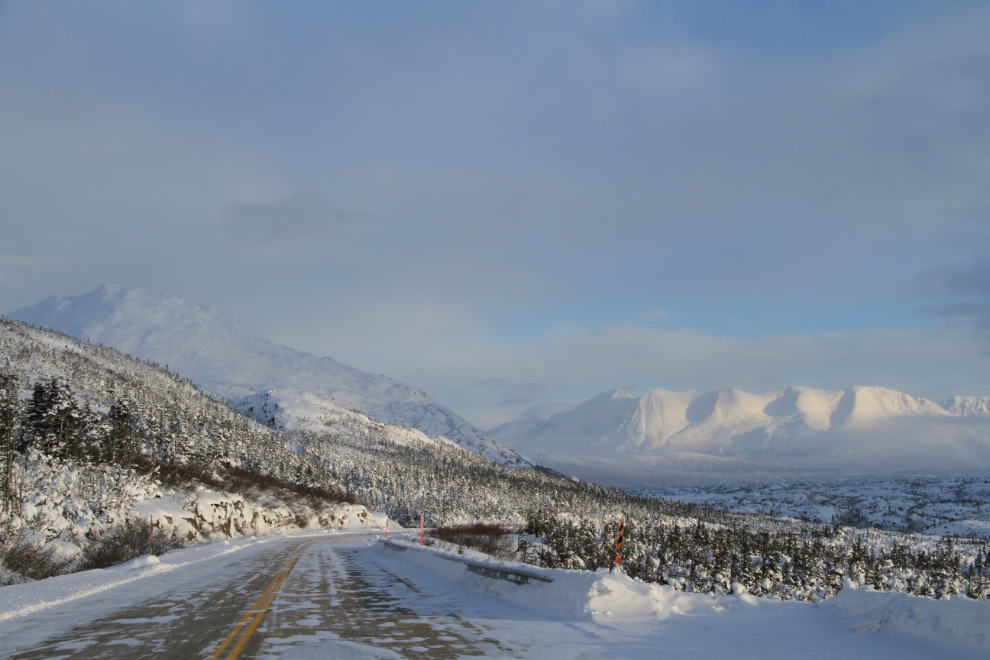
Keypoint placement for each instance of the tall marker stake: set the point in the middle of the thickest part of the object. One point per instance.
(421, 529)
(386, 528)
(618, 544)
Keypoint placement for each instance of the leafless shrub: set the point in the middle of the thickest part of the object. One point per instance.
(238, 480)
(492, 539)
(126, 541)
(23, 556)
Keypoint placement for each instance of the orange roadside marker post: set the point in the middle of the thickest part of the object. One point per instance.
(618, 544)
(386, 528)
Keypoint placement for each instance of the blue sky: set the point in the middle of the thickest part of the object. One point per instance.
(517, 205)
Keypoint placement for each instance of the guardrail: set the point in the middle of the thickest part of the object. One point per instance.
(513, 575)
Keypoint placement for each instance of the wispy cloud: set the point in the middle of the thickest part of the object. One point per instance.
(307, 214)
(489, 380)
(17, 261)
(963, 289)
(515, 395)
(653, 315)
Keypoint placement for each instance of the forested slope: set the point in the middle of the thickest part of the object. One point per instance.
(83, 401)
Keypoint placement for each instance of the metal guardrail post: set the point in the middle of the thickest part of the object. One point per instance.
(513, 575)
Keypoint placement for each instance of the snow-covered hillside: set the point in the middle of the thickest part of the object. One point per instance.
(228, 359)
(102, 450)
(791, 430)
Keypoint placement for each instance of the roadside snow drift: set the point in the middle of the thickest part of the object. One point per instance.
(957, 619)
(609, 597)
(572, 594)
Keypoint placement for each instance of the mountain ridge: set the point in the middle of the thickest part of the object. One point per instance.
(793, 428)
(227, 358)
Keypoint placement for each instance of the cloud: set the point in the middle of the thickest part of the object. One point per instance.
(514, 394)
(307, 214)
(543, 410)
(465, 363)
(964, 289)
(530, 164)
(972, 279)
(525, 394)
(497, 384)
(17, 261)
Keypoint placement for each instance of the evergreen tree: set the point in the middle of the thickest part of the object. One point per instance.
(120, 441)
(9, 430)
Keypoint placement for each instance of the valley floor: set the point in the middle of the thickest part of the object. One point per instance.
(923, 504)
(343, 595)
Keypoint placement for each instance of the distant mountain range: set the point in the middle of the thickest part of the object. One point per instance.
(614, 438)
(794, 431)
(280, 386)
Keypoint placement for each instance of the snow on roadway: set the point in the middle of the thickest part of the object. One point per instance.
(578, 615)
(32, 612)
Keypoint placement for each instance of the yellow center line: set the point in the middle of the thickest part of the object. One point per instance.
(257, 610)
(239, 624)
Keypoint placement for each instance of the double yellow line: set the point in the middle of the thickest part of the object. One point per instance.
(245, 627)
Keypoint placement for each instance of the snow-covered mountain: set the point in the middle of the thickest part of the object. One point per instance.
(227, 358)
(790, 430)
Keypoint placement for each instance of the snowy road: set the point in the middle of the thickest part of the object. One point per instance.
(338, 596)
(332, 603)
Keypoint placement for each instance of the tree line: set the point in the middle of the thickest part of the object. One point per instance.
(727, 559)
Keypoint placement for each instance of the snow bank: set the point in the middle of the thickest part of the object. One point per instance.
(573, 594)
(69, 499)
(21, 599)
(605, 597)
(958, 619)
(209, 512)
(356, 516)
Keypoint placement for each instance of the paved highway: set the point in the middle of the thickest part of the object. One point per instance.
(324, 597)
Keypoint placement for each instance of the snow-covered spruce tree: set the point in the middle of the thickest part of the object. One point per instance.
(53, 420)
(10, 414)
(120, 441)
(809, 564)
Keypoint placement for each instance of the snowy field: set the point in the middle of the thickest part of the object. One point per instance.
(350, 596)
(927, 505)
